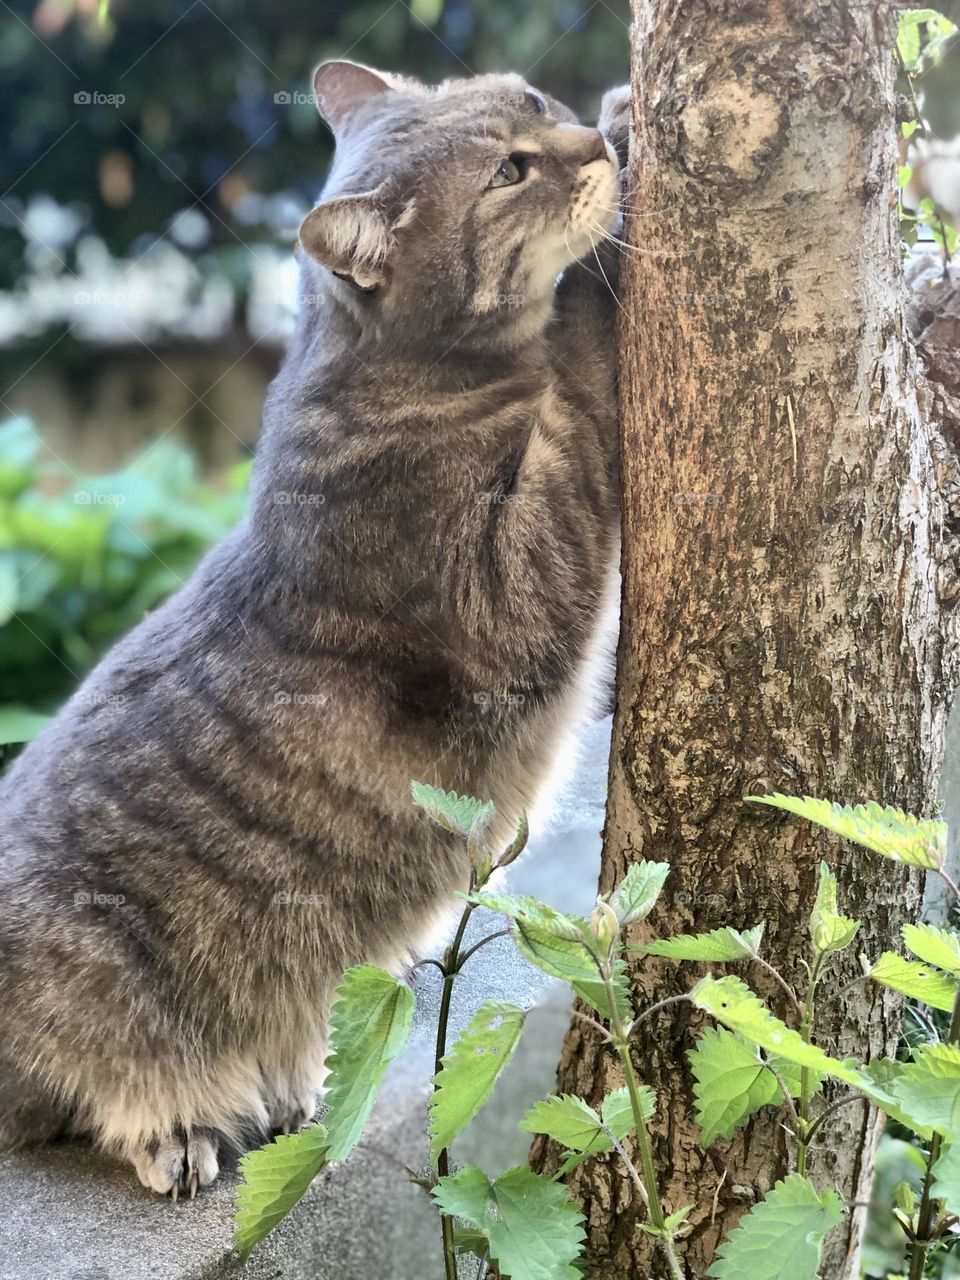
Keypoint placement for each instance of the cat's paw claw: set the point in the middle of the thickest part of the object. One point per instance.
(293, 1114)
(179, 1164)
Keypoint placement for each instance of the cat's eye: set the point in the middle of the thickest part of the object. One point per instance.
(510, 172)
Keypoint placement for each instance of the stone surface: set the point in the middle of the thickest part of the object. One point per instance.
(71, 1214)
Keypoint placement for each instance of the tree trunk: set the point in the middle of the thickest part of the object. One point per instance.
(787, 597)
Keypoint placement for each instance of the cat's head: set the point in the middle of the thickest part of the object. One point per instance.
(464, 201)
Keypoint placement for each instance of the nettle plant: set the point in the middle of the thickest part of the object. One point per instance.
(524, 1225)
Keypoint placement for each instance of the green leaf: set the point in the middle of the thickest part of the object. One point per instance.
(916, 842)
(829, 930)
(572, 962)
(780, 1238)
(577, 1125)
(463, 815)
(720, 944)
(20, 724)
(882, 1085)
(517, 844)
(534, 1230)
(918, 981)
(428, 11)
(934, 946)
(904, 174)
(471, 1069)
(276, 1177)
(946, 1177)
(9, 588)
(732, 1002)
(637, 894)
(929, 1088)
(617, 1116)
(369, 1025)
(731, 1083)
(533, 911)
(560, 945)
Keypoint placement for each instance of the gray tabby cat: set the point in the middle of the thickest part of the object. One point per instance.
(219, 823)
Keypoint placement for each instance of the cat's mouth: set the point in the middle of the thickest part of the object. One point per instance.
(594, 205)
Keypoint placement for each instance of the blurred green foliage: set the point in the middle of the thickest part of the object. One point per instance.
(82, 559)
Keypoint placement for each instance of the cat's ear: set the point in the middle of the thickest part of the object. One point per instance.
(352, 236)
(342, 88)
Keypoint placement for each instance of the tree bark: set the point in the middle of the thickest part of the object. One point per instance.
(788, 591)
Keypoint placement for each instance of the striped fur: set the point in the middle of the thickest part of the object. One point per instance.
(219, 823)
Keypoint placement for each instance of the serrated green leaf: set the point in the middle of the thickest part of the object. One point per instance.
(617, 1115)
(569, 1120)
(560, 945)
(533, 911)
(577, 1125)
(674, 1220)
(369, 1025)
(534, 1230)
(929, 1088)
(829, 930)
(572, 962)
(720, 944)
(470, 1070)
(780, 1238)
(934, 946)
(637, 894)
(731, 1083)
(733, 1003)
(882, 1081)
(276, 1177)
(916, 842)
(617, 1109)
(462, 815)
(918, 981)
(946, 1177)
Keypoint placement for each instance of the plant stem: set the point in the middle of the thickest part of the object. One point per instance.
(501, 933)
(928, 1205)
(778, 977)
(622, 1046)
(828, 1111)
(450, 968)
(803, 1110)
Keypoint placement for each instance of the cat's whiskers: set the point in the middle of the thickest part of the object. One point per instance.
(613, 292)
(632, 248)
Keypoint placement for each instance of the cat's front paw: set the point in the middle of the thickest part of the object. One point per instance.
(616, 117)
(179, 1163)
(289, 1114)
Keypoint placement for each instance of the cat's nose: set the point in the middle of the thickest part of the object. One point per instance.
(598, 149)
(580, 145)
